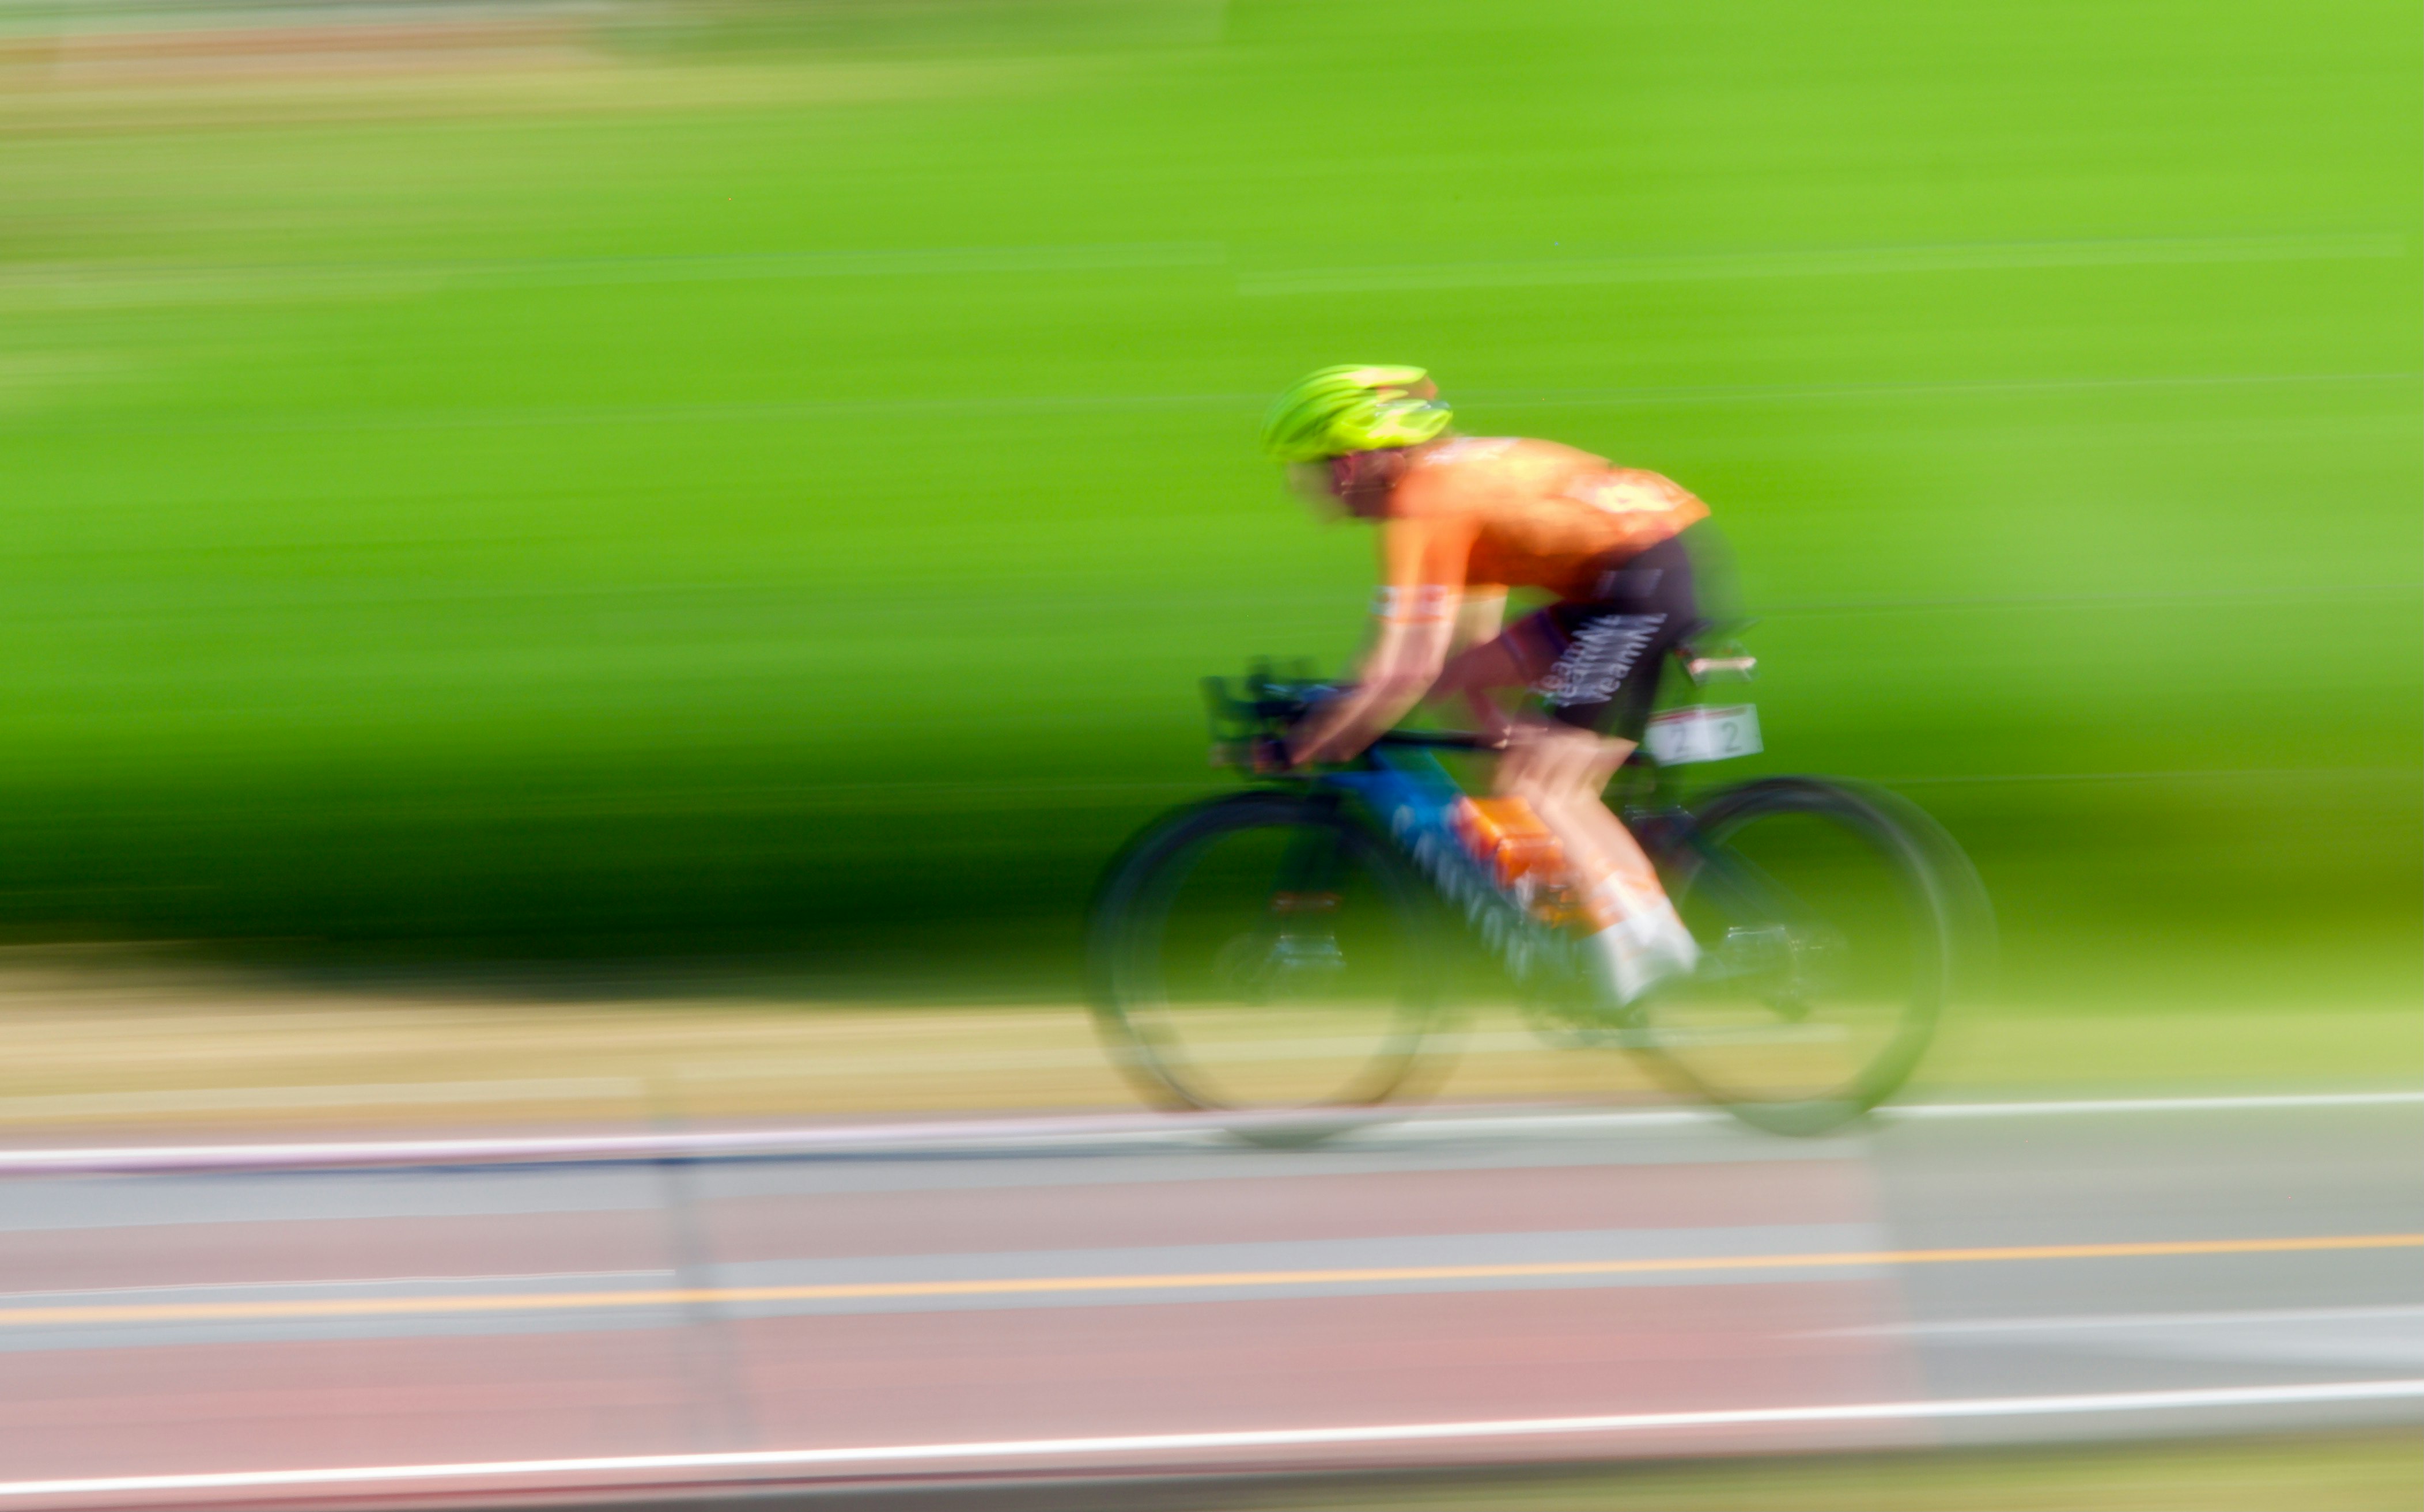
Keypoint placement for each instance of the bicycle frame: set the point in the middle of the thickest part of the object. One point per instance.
(1413, 799)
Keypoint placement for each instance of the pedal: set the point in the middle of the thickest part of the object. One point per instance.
(1572, 1015)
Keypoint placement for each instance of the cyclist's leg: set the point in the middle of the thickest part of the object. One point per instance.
(1596, 668)
(1593, 668)
(1547, 764)
(1634, 940)
(1557, 768)
(1560, 769)
(1585, 762)
(1552, 767)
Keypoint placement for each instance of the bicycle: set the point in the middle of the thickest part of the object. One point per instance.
(1277, 953)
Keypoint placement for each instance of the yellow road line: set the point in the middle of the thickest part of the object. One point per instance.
(1014, 1286)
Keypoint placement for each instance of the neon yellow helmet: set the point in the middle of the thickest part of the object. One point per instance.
(1359, 408)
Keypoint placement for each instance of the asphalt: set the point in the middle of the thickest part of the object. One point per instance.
(1137, 1303)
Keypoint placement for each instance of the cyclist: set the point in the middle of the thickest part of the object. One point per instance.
(1460, 521)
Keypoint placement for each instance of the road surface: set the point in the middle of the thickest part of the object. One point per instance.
(1107, 1296)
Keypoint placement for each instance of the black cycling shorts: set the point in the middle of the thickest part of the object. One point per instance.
(1595, 663)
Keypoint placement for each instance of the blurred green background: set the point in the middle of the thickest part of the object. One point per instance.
(759, 481)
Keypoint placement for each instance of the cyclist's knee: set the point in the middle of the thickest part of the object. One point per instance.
(1544, 764)
(1610, 753)
(1519, 775)
(1576, 767)
(1527, 770)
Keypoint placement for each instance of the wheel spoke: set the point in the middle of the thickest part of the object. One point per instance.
(1265, 954)
(1824, 957)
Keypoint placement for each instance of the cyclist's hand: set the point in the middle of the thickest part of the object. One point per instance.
(1283, 755)
(1269, 757)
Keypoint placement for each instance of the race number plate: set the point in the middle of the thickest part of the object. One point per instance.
(1704, 733)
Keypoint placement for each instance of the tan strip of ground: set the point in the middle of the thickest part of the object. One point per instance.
(94, 1046)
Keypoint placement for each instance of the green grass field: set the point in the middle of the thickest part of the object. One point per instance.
(770, 486)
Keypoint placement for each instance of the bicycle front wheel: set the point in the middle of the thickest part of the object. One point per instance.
(1829, 921)
(1264, 951)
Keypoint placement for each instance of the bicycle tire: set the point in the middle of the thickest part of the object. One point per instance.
(1146, 931)
(1747, 1032)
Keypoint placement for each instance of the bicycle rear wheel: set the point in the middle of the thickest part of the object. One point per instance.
(1829, 921)
(1264, 951)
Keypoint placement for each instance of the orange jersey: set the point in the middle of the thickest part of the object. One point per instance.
(1499, 512)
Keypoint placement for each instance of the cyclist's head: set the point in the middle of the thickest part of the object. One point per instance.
(1339, 411)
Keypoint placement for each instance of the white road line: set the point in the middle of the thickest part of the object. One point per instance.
(41, 1108)
(336, 1284)
(1185, 1444)
(1497, 1121)
(2087, 1322)
(2153, 1104)
(973, 1134)
(1047, 1133)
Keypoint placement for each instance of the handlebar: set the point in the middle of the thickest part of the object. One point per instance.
(1733, 665)
(1250, 723)
(1251, 719)
(1440, 739)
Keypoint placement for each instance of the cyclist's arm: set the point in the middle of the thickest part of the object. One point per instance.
(1422, 579)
